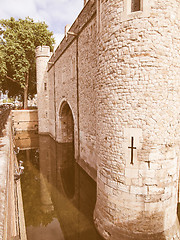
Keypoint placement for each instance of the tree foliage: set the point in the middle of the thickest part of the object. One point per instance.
(18, 40)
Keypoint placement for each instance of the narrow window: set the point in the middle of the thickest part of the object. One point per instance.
(135, 5)
(45, 86)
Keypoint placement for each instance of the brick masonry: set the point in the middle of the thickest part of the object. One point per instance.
(120, 77)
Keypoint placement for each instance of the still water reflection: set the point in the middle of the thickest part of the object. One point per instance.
(58, 196)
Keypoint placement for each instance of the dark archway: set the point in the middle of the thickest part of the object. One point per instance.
(65, 150)
(66, 123)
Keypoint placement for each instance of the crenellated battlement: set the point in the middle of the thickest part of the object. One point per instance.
(43, 51)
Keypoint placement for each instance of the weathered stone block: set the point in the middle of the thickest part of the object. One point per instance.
(138, 190)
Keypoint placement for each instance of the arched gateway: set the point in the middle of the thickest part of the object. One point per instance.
(66, 124)
(65, 149)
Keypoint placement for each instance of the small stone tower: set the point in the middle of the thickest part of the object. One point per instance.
(137, 119)
(42, 57)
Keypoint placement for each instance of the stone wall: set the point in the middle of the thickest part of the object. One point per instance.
(25, 128)
(118, 70)
(12, 225)
(87, 101)
(74, 75)
(25, 120)
(137, 94)
(51, 104)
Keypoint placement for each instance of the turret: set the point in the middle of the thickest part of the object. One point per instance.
(137, 119)
(42, 57)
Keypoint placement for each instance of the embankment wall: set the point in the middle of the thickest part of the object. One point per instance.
(25, 128)
(11, 208)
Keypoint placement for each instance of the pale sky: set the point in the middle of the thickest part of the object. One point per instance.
(56, 13)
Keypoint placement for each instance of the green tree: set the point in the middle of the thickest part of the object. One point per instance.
(18, 40)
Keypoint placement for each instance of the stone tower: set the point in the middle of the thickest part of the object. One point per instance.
(137, 119)
(42, 56)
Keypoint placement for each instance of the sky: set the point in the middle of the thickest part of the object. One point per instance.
(55, 13)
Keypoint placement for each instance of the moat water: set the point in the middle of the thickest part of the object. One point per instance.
(58, 196)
